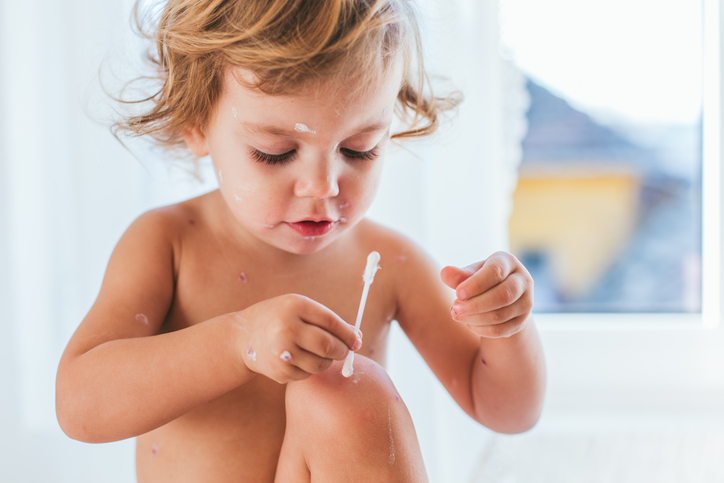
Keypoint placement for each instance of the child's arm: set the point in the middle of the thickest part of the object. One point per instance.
(119, 377)
(491, 362)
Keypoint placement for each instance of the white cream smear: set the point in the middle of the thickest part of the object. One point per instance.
(391, 458)
(221, 177)
(373, 259)
(299, 127)
(233, 111)
(237, 198)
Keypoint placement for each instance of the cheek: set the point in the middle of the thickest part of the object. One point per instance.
(251, 196)
(362, 190)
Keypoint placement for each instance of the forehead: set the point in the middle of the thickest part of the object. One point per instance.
(338, 96)
(354, 82)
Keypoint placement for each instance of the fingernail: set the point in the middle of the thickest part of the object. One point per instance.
(357, 345)
(452, 313)
(458, 308)
(462, 294)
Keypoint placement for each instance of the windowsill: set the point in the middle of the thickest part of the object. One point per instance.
(622, 321)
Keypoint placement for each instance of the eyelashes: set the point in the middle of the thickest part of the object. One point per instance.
(274, 159)
(368, 155)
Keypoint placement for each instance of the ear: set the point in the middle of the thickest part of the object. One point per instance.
(196, 141)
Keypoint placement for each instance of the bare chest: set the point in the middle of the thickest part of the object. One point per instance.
(212, 281)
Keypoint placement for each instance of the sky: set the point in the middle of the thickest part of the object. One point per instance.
(630, 61)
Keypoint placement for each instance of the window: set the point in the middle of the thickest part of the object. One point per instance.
(607, 214)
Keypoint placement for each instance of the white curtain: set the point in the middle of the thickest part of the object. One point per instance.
(68, 190)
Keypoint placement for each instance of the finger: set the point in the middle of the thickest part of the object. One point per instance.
(309, 362)
(321, 343)
(494, 270)
(502, 295)
(298, 363)
(454, 276)
(316, 314)
(496, 317)
(288, 371)
(507, 329)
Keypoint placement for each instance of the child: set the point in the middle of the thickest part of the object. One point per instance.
(219, 332)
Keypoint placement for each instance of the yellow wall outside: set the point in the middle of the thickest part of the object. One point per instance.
(581, 222)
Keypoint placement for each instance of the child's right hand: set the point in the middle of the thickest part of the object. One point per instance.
(291, 337)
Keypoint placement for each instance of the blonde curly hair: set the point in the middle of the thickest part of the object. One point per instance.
(288, 45)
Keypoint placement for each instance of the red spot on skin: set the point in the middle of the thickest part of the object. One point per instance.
(242, 277)
(191, 222)
(400, 258)
(372, 350)
(154, 449)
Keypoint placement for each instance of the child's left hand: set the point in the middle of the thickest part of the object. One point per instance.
(494, 297)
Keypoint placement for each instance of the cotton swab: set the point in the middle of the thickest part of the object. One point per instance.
(372, 266)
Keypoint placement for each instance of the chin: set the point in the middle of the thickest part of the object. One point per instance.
(307, 247)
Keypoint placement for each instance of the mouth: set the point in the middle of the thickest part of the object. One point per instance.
(311, 228)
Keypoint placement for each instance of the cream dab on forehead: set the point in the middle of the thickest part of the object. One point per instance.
(299, 127)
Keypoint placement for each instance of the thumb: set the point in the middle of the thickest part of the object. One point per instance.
(454, 276)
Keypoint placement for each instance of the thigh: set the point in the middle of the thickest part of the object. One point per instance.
(292, 466)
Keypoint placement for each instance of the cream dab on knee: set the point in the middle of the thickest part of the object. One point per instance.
(373, 260)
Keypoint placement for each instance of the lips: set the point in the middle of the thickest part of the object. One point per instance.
(308, 228)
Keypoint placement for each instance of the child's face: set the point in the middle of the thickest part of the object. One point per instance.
(297, 171)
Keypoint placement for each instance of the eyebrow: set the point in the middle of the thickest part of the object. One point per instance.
(275, 130)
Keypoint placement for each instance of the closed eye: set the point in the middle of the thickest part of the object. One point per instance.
(272, 159)
(370, 155)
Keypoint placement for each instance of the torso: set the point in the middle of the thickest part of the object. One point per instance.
(237, 437)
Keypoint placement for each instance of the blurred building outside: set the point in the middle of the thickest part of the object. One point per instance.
(607, 218)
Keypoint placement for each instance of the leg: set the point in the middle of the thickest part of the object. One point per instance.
(354, 429)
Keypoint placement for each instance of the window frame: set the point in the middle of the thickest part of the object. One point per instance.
(648, 372)
(712, 209)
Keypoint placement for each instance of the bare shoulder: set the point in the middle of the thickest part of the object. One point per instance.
(168, 225)
(406, 264)
(174, 220)
(396, 249)
(138, 285)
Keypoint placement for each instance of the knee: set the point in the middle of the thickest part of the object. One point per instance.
(330, 401)
(337, 423)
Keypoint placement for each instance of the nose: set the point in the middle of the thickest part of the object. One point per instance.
(320, 182)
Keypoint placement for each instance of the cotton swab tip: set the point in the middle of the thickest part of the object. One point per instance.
(373, 259)
(347, 368)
